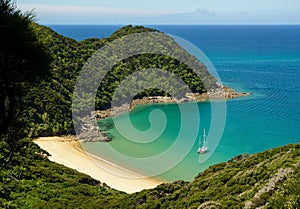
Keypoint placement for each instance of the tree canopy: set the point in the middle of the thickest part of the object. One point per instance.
(23, 61)
(49, 103)
(23, 58)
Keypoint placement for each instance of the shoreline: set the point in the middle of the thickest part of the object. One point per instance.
(90, 132)
(68, 152)
(222, 92)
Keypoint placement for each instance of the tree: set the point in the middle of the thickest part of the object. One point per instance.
(23, 61)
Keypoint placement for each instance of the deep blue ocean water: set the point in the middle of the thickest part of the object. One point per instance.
(264, 60)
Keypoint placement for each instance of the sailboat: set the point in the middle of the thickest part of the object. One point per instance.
(203, 148)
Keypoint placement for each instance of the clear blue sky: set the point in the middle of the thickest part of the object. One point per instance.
(164, 11)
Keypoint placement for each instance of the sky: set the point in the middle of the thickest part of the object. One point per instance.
(151, 12)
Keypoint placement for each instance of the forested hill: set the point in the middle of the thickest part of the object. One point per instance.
(50, 102)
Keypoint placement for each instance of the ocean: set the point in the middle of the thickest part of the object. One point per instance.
(264, 60)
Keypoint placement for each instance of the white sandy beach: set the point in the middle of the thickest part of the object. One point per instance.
(69, 153)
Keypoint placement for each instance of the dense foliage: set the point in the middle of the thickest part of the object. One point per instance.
(50, 102)
(31, 181)
(23, 62)
(23, 59)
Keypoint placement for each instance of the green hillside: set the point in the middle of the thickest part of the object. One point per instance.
(39, 68)
(49, 103)
(270, 179)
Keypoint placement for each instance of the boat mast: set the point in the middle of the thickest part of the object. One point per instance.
(202, 142)
(204, 137)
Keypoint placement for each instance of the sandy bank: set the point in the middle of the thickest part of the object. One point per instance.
(69, 153)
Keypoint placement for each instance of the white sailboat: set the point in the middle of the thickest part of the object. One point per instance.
(203, 148)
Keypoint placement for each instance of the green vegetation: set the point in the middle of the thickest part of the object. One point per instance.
(31, 181)
(36, 100)
(231, 185)
(23, 62)
(49, 103)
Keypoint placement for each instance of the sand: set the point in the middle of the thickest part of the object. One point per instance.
(68, 152)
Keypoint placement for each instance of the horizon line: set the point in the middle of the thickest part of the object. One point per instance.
(208, 24)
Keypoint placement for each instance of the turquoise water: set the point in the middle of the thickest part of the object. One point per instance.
(187, 169)
(264, 60)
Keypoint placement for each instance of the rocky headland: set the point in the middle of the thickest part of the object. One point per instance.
(220, 93)
(90, 131)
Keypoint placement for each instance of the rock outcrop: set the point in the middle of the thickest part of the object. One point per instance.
(219, 93)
